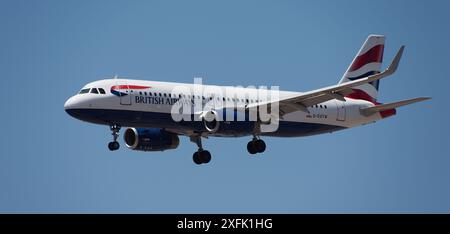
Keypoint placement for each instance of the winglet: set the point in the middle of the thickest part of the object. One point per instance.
(390, 69)
(394, 65)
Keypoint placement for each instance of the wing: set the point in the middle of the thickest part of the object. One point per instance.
(339, 91)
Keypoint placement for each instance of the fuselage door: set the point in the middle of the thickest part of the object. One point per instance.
(341, 112)
(124, 93)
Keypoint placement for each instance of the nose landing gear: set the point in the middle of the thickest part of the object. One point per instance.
(114, 145)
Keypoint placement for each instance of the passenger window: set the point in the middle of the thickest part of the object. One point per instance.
(102, 91)
(325, 106)
(140, 93)
(84, 91)
(94, 90)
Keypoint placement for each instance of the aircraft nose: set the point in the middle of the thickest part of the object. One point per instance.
(70, 106)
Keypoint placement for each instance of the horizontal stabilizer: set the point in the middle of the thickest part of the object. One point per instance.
(370, 110)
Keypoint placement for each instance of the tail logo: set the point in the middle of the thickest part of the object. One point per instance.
(374, 55)
(366, 63)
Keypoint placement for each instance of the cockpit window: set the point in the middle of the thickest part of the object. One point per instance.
(102, 91)
(84, 91)
(94, 90)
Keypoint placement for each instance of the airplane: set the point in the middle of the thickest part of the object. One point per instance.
(146, 107)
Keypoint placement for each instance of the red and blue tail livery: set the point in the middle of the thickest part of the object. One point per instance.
(367, 62)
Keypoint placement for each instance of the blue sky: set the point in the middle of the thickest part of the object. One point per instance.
(50, 162)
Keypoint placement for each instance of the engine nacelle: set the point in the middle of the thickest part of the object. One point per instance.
(210, 121)
(150, 139)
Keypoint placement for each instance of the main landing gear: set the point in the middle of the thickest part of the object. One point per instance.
(201, 156)
(256, 146)
(114, 145)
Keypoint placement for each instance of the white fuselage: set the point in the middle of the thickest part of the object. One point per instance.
(139, 103)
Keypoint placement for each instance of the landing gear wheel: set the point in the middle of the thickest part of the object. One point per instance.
(196, 158)
(256, 146)
(251, 147)
(260, 146)
(113, 145)
(201, 156)
(205, 156)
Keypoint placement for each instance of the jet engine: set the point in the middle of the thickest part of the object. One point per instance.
(210, 121)
(238, 125)
(150, 139)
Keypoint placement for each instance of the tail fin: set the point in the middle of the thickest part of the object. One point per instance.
(367, 62)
